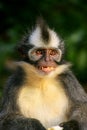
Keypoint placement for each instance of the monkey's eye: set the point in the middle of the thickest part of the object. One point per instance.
(36, 54)
(53, 52)
(39, 52)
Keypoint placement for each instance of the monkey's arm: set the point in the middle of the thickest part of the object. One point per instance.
(73, 87)
(78, 97)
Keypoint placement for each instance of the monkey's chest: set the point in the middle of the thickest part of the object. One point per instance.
(49, 105)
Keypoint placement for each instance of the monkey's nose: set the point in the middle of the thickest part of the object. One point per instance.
(47, 56)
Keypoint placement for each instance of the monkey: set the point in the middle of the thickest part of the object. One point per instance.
(43, 92)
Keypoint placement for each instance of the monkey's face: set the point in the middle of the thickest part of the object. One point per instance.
(46, 58)
(43, 48)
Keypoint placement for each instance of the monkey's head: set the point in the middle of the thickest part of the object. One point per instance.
(42, 48)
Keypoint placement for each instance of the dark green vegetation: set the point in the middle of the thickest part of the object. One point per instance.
(68, 18)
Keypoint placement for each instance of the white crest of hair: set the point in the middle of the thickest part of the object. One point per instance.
(36, 39)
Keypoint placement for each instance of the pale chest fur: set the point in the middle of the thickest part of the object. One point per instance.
(47, 102)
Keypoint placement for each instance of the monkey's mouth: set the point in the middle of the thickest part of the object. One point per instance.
(46, 69)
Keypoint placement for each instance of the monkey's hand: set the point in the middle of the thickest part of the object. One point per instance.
(70, 125)
(55, 128)
(21, 124)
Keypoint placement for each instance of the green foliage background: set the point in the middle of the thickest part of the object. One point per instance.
(67, 17)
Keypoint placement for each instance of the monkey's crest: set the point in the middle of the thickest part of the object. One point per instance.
(42, 35)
